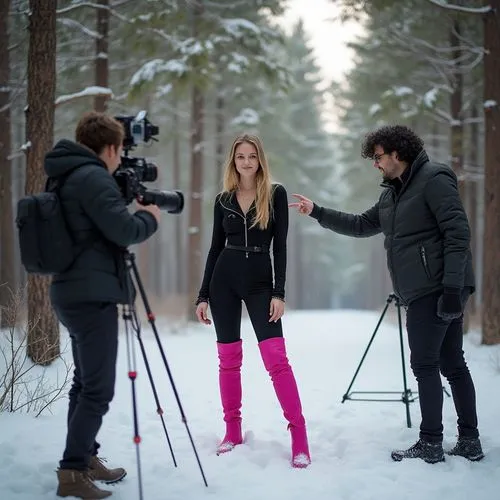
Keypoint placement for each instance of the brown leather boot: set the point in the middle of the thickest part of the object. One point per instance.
(99, 472)
(77, 483)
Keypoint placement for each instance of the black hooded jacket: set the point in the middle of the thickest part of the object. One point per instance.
(99, 220)
(427, 235)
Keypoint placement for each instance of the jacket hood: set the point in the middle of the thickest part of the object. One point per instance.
(68, 155)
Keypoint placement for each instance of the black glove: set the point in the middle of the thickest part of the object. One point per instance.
(449, 305)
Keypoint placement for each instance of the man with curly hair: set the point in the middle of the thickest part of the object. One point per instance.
(427, 238)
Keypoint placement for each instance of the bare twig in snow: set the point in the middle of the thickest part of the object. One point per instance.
(25, 386)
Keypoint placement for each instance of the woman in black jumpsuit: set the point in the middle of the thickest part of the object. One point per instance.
(249, 214)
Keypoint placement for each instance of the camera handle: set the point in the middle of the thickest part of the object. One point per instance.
(132, 322)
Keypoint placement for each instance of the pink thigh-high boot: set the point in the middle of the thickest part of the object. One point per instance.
(273, 352)
(230, 361)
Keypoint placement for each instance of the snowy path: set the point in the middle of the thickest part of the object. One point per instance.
(350, 443)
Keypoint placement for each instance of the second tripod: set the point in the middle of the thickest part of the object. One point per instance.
(406, 396)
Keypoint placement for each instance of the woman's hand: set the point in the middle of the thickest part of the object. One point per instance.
(201, 313)
(276, 310)
(304, 205)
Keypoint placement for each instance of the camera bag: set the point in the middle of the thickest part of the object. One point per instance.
(46, 244)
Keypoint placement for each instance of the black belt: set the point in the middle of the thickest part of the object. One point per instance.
(254, 249)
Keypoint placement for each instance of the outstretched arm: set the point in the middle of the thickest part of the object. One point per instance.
(218, 243)
(359, 226)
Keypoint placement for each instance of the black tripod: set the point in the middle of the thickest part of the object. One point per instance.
(407, 396)
(131, 320)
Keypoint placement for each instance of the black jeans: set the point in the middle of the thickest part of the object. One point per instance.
(436, 346)
(93, 328)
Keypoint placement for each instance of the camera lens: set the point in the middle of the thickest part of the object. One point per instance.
(171, 201)
(149, 173)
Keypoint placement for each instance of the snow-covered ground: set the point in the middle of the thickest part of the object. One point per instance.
(350, 443)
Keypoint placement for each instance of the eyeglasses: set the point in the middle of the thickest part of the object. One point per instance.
(377, 157)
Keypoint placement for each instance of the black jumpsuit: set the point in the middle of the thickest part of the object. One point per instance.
(238, 266)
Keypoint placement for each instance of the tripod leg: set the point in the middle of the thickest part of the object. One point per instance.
(406, 394)
(346, 395)
(151, 319)
(132, 374)
(159, 409)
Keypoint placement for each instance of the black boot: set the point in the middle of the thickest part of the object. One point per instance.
(469, 448)
(429, 452)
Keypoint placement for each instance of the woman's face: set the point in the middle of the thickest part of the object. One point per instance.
(246, 159)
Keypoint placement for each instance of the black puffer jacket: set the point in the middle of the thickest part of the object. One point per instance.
(427, 235)
(99, 220)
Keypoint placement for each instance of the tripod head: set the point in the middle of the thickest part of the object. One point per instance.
(392, 297)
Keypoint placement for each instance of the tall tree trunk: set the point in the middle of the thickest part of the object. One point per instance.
(457, 128)
(179, 254)
(473, 198)
(144, 250)
(20, 176)
(43, 329)
(219, 136)
(435, 139)
(101, 56)
(7, 261)
(196, 191)
(491, 264)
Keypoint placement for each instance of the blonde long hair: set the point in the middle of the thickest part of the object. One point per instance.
(263, 193)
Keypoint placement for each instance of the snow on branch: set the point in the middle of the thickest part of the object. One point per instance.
(74, 24)
(232, 5)
(468, 10)
(473, 119)
(443, 116)
(86, 92)
(489, 104)
(150, 70)
(462, 48)
(238, 27)
(247, 117)
(169, 38)
(112, 12)
(442, 65)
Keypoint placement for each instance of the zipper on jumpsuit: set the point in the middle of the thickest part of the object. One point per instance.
(246, 235)
(244, 222)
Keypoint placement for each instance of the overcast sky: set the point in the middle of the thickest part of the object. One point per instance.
(327, 37)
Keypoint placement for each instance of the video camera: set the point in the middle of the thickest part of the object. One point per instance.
(132, 171)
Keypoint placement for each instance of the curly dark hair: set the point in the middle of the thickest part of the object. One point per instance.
(391, 138)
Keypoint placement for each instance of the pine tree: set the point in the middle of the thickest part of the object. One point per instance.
(7, 267)
(43, 329)
(491, 270)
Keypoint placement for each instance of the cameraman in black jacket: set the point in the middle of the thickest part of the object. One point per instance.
(85, 297)
(427, 238)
